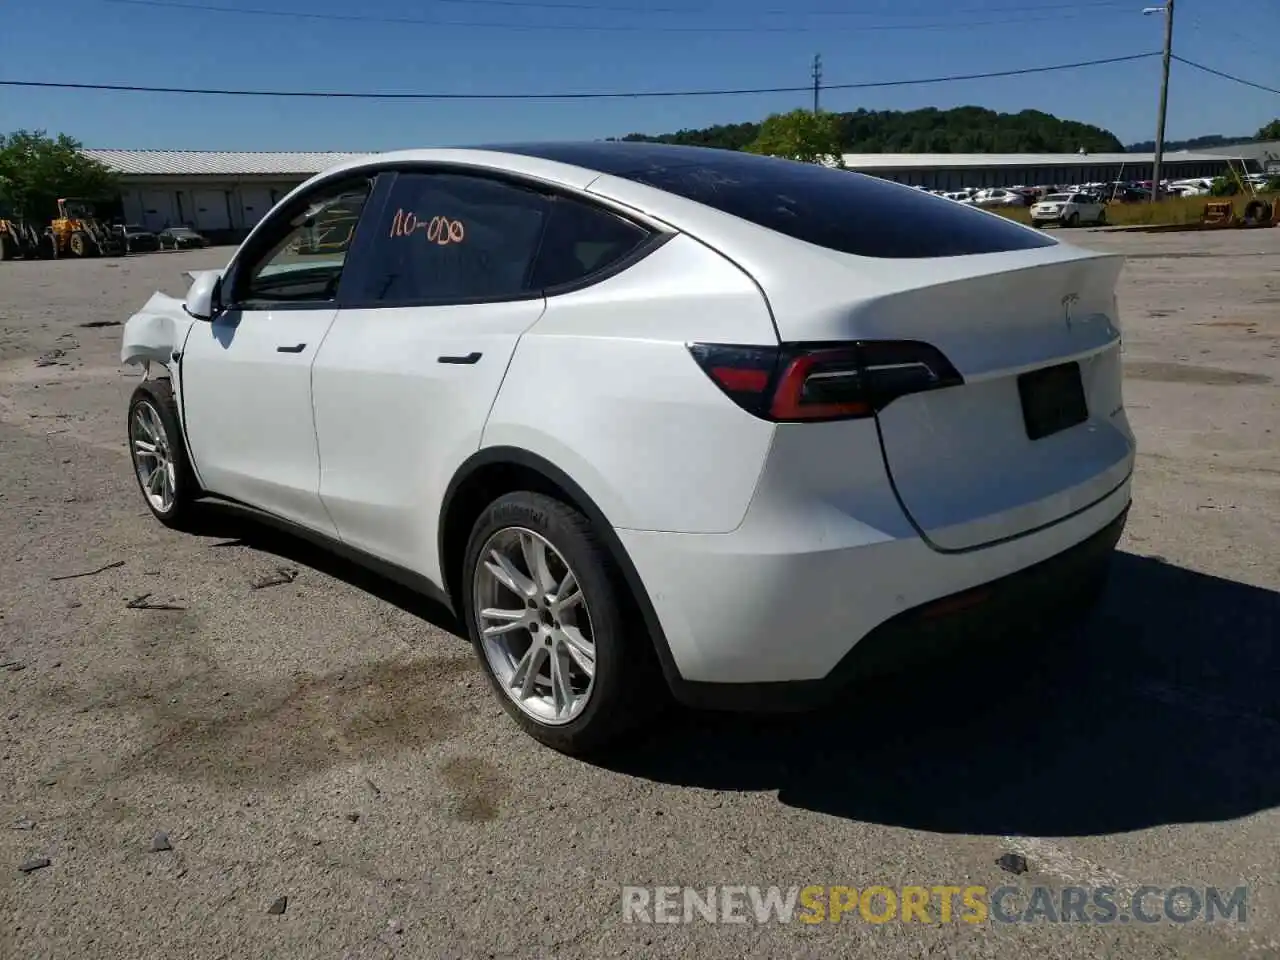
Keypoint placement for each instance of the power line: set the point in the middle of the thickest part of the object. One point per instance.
(990, 76)
(632, 28)
(602, 95)
(1226, 76)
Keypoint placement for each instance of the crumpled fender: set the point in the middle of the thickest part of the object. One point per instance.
(156, 332)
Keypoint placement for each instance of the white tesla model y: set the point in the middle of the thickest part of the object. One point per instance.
(650, 415)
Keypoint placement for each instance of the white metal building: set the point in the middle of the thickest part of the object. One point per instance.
(221, 194)
(953, 171)
(1264, 153)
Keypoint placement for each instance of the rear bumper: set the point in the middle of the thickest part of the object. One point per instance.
(761, 620)
(1039, 598)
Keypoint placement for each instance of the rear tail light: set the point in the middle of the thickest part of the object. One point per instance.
(824, 382)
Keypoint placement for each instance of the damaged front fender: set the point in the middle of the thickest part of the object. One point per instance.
(156, 332)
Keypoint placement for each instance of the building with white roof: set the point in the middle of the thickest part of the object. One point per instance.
(223, 194)
(954, 171)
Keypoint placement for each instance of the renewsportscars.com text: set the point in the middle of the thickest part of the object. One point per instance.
(935, 904)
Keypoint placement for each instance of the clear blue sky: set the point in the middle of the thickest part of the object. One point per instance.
(500, 46)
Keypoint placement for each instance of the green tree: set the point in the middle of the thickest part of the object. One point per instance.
(1224, 187)
(958, 130)
(1269, 132)
(800, 135)
(36, 169)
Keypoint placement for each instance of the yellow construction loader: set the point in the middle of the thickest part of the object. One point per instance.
(77, 232)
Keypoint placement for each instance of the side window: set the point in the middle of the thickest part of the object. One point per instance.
(449, 238)
(308, 248)
(581, 240)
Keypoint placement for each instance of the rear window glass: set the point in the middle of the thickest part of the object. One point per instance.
(836, 209)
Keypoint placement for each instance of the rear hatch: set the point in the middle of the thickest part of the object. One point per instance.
(994, 443)
(1035, 432)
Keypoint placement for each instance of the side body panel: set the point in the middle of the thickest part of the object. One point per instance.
(398, 408)
(604, 387)
(247, 401)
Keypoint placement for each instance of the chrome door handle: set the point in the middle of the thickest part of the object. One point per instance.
(294, 349)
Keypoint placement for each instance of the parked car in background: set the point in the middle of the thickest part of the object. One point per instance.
(861, 423)
(998, 197)
(1128, 194)
(181, 238)
(1069, 209)
(1195, 187)
(138, 239)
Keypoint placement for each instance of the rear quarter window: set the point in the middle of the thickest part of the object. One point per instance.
(582, 242)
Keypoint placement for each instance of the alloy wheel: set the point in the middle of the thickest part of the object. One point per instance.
(153, 457)
(535, 627)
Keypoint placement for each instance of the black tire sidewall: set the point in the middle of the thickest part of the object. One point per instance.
(159, 394)
(608, 712)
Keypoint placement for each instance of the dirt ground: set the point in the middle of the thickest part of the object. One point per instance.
(329, 741)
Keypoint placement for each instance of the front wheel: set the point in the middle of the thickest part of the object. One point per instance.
(159, 456)
(545, 611)
(1073, 220)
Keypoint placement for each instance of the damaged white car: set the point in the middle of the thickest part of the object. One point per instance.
(656, 418)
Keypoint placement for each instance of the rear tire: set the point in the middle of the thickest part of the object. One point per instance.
(159, 455)
(1073, 220)
(599, 707)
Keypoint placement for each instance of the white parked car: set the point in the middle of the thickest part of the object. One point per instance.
(651, 416)
(998, 197)
(1195, 187)
(1069, 209)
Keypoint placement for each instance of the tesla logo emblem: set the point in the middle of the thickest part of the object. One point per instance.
(1067, 302)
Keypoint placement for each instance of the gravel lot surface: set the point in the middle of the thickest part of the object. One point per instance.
(329, 741)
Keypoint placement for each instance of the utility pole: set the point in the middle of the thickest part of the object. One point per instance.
(817, 79)
(1167, 10)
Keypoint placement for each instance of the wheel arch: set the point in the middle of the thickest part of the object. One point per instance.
(491, 472)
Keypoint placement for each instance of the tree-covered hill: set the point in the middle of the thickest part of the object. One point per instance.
(960, 130)
(1195, 143)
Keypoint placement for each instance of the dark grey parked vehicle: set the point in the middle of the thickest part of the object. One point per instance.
(181, 238)
(138, 239)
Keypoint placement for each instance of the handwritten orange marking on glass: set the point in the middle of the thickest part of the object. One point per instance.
(440, 230)
(444, 231)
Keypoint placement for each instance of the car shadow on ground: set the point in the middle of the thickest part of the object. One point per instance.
(1164, 707)
(232, 527)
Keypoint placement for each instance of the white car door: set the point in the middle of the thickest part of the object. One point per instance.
(404, 383)
(246, 375)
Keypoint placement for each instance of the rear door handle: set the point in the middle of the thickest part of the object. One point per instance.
(469, 358)
(295, 349)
